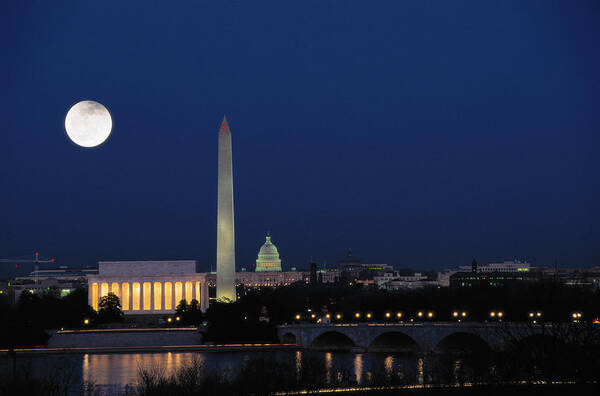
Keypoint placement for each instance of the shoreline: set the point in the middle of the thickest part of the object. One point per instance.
(149, 349)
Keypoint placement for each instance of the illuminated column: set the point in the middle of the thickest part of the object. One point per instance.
(135, 291)
(168, 296)
(204, 296)
(225, 228)
(94, 302)
(197, 291)
(141, 306)
(103, 289)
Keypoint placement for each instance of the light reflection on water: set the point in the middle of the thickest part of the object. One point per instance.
(112, 372)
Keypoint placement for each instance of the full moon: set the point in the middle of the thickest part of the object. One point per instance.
(88, 123)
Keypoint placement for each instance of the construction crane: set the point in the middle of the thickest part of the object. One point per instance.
(36, 260)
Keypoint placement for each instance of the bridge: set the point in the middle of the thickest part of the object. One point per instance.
(422, 337)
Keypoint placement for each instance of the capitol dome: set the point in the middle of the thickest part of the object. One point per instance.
(268, 257)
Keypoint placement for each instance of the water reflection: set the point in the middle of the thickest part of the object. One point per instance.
(112, 372)
(420, 371)
(388, 365)
(298, 364)
(358, 368)
(328, 365)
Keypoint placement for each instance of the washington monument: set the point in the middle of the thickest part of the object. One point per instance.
(225, 229)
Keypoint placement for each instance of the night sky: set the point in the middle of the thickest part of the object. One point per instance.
(419, 134)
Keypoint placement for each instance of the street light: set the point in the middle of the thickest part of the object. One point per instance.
(455, 314)
(357, 315)
(399, 315)
(86, 321)
(338, 316)
(368, 315)
(420, 314)
(430, 315)
(388, 315)
(576, 317)
(298, 316)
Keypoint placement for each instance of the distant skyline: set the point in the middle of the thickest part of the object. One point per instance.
(418, 134)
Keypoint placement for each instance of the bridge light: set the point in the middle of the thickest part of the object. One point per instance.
(328, 316)
(500, 314)
(492, 314)
(169, 320)
(430, 314)
(420, 314)
(531, 314)
(455, 314)
(357, 315)
(338, 316)
(298, 316)
(399, 315)
(464, 314)
(86, 322)
(388, 315)
(313, 316)
(177, 318)
(538, 314)
(368, 315)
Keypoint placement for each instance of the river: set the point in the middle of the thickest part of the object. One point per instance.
(112, 373)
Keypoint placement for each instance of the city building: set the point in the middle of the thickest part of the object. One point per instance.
(149, 287)
(225, 223)
(395, 281)
(62, 273)
(577, 277)
(268, 257)
(491, 279)
(351, 268)
(506, 266)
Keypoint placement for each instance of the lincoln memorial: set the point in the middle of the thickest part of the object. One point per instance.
(149, 287)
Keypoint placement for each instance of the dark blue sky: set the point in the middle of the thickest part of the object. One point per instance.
(420, 134)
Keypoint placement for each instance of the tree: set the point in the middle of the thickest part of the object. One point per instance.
(182, 308)
(110, 309)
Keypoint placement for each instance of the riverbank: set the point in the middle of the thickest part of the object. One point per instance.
(152, 349)
(145, 340)
(471, 390)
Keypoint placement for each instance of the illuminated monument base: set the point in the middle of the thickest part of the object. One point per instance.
(149, 287)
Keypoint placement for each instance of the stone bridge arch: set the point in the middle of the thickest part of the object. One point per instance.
(426, 336)
(462, 342)
(333, 340)
(393, 341)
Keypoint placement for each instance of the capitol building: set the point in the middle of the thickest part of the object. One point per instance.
(268, 257)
